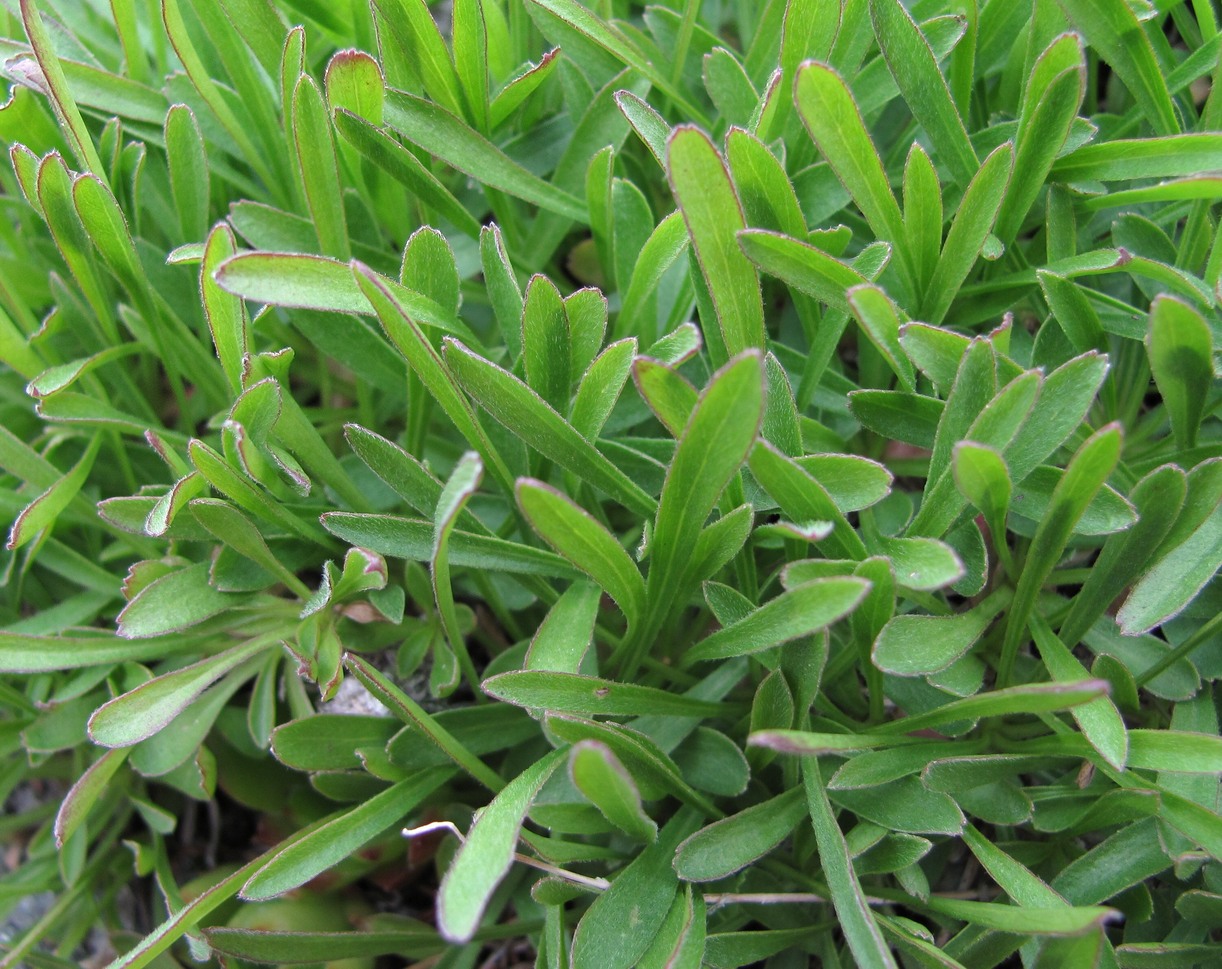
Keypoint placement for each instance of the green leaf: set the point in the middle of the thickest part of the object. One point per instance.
(487, 854)
(600, 776)
(518, 89)
(920, 645)
(412, 539)
(315, 145)
(411, 713)
(400, 164)
(1180, 348)
(795, 613)
(189, 176)
(600, 388)
(419, 36)
(175, 601)
(1168, 588)
(56, 85)
(861, 932)
(712, 211)
(592, 696)
(42, 512)
(527, 415)
(650, 126)
(898, 416)
(1112, 28)
(588, 24)
(354, 82)
(983, 479)
(803, 499)
(912, 63)
(439, 132)
(1157, 499)
(661, 250)
(617, 929)
(85, 793)
(226, 314)
(1099, 720)
(680, 942)
(428, 365)
(470, 41)
(339, 836)
(1124, 159)
(922, 215)
(806, 268)
(429, 269)
(401, 472)
(1062, 405)
(546, 343)
(1032, 699)
(239, 533)
(462, 484)
(1053, 94)
(830, 114)
(968, 233)
(580, 538)
(1108, 512)
(731, 844)
(327, 741)
(1083, 478)
(880, 319)
(718, 435)
(152, 706)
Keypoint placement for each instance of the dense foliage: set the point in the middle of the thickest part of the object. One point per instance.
(739, 478)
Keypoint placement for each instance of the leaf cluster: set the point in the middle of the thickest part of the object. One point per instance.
(738, 481)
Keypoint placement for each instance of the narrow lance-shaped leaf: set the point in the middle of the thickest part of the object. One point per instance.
(922, 215)
(1157, 499)
(731, 844)
(527, 415)
(563, 639)
(1099, 720)
(85, 793)
(225, 313)
(711, 208)
(600, 776)
(801, 265)
(861, 932)
(1051, 100)
(580, 538)
(600, 388)
(428, 365)
(42, 512)
(189, 175)
(141, 712)
(440, 133)
(827, 108)
(1175, 580)
(1180, 348)
(57, 84)
(617, 929)
(454, 496)
(1112, 28)
(487, 854)
(797, 612)
(340, 836)
(239, 533)
(879, 318)
(915, 69)
(968, 233)
(718, 436)
(1085, 475)
(591, 695)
